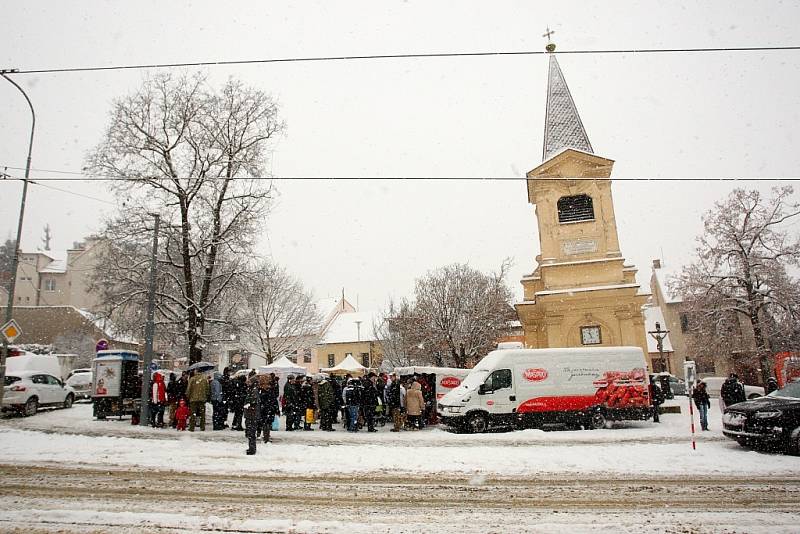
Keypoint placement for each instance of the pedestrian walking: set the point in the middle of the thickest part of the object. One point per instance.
(657, 398)
(198, 392)
(703, 403)
(227, 395)
(415, 405)
(252, 412)
(290, 399)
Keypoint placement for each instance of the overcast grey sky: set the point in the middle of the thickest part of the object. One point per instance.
(659, 116)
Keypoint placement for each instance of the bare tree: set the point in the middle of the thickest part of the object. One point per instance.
(281, 315)
(400, 337)
(197, 158)
(739, 277)
(458, 315)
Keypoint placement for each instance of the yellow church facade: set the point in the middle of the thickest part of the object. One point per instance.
(581, 293)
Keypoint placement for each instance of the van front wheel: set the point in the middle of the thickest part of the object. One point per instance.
(477, 423)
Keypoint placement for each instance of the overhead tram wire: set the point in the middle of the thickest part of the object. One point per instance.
(107, 178)
(405, 56)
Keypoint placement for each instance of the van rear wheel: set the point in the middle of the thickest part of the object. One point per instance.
(477, 423)
(597, 421)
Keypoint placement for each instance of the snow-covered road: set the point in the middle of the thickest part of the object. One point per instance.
(63, 471)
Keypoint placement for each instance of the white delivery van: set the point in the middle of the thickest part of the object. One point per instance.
(538, 387)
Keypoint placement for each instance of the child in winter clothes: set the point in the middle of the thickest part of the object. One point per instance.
(181, 415)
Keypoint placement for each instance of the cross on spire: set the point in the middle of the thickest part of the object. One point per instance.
(548, 33)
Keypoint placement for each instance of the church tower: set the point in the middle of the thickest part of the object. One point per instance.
(581, 293)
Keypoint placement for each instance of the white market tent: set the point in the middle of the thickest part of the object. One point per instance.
(282, 367)
(348, 365)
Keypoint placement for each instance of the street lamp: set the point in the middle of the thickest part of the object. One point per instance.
(15, 262)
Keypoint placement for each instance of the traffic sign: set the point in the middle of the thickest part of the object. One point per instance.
(11, 331)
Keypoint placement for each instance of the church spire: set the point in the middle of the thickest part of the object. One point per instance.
(562, 124)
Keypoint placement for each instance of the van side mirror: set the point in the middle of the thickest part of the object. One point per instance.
(482, 389)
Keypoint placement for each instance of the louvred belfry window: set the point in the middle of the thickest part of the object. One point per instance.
(576, 208)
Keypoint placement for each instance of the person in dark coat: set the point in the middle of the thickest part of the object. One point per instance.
(183, 384)
(657, 398)
(732, 391)
(268, 390)
(772, 385)
(291, 396)
(308, 403)
(703, 403)
(252, 411)
(328, 404)
(337, 395)
(369, 400)
(394, 402)
(173, 397)
(239, 390)
(352, 400)
(227, 395)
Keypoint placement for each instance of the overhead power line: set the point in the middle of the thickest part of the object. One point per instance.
(85, 178)
(403, 56)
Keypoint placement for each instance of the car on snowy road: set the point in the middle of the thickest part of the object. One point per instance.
(25, 391)
(772, 421)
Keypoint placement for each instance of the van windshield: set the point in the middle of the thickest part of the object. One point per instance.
(475, 379)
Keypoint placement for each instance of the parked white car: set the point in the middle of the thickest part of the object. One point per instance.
(82, 384)
(714, 384)
(26, 391)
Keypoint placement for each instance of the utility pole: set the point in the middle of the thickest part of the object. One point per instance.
(12, 286)
(149, 330)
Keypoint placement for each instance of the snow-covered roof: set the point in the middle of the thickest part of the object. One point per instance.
(105, 324)
(653, 314)
(563, 127)
(55, 266)
(350, 328)
(662, 277)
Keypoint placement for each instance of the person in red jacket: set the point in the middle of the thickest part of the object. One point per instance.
(158, 401)
(181, 415)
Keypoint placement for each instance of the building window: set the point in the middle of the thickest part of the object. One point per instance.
(365, 359)
(331, 360)
(590, 335)
(576, 208)
(306, 355)
(348, 354)
(684, 323)
(50, 284)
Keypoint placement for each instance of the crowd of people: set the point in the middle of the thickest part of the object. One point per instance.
(305, 401)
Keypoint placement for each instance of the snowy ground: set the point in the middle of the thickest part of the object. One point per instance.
(636, 476)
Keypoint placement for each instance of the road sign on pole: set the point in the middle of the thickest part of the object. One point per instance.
(11, 331)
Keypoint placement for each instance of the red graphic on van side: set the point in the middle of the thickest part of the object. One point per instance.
(535, 375)
(622, 389)
(450, 382)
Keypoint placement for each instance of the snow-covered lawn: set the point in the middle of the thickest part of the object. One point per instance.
(73, 438)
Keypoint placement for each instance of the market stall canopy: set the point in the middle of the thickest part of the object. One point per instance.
(282, 365)
(348, 365)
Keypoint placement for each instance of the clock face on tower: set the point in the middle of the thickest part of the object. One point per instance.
(590, 335)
